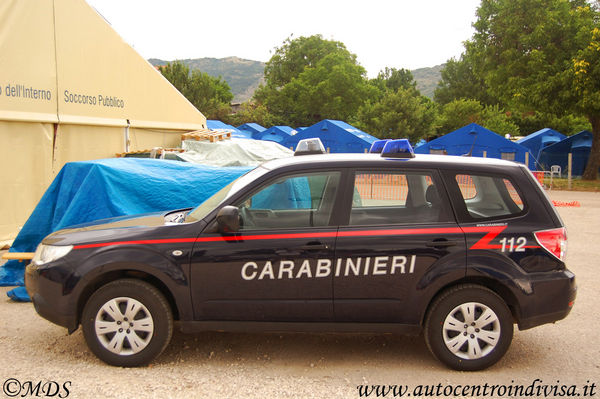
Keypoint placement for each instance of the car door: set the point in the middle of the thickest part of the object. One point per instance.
(400, 241)
(499, 224)
(277, 267)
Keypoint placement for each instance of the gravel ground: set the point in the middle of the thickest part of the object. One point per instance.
(227, 365)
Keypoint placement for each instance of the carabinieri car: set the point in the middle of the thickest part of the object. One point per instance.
(457, 248)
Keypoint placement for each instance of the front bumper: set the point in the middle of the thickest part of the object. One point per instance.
(48, 299)
(551, 299)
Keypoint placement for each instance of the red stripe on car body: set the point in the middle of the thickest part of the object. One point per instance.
(484, 243)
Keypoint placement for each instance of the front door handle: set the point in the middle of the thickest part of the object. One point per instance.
(314, 246)
(440, 243)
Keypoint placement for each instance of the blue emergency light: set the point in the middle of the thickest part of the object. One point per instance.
(377, 146)
(398, 149)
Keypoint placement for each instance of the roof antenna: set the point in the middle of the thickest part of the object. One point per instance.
(470, 153)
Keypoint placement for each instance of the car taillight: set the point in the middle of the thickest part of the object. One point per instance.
(553, 241)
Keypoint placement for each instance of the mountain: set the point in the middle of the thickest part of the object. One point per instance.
(427, 79)
(243, 76)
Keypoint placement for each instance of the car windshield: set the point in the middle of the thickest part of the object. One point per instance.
(212, 202)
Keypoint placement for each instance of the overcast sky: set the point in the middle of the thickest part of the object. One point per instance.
(393, 33)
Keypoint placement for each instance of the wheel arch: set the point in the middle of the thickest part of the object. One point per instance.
(496, 286)
(102, 279)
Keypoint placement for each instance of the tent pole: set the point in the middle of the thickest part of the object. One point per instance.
(570, 167)
(126, 137)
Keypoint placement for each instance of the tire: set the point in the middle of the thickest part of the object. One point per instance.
(468, 328)
(127, 323)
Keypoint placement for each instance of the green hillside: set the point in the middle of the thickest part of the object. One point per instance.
(427, 79)
(243, 76)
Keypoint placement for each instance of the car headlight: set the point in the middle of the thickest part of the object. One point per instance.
(48, 253)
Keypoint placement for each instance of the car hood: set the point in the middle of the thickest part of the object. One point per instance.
(113, 229)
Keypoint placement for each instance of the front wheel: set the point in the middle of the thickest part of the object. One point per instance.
(127, 323)
(468, 327)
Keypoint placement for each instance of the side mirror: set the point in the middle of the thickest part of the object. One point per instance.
(228, 219)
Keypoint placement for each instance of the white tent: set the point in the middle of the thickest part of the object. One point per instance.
(71, 89)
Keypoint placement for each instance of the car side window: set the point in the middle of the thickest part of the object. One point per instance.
(299, 200)
(489, 196)
(395, 198)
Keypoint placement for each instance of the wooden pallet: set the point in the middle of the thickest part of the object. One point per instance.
(206, 134)
(20, 256)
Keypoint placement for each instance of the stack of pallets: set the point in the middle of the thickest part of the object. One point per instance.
(206, 134)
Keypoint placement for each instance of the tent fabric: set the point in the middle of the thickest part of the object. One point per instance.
(234, 152)
(579, 145)
(475, 139)
(251, 128)
(223, 127)
(336, 136)
(536, 141)
(275, 133)
(92, 190)
(26, 163)
(72, 89)
(62, 61)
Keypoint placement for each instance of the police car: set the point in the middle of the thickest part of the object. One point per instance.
(457, 248)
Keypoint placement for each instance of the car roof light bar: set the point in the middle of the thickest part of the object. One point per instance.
(377, 146)
(400, 148)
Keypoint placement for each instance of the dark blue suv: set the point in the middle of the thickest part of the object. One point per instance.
(457, 248)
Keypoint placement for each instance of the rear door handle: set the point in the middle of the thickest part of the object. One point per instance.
(441, 243)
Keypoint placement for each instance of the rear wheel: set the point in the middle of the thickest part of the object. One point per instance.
(127, 323)
(468, 327)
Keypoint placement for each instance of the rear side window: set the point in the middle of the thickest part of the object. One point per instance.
(382, 198)
(489, 196)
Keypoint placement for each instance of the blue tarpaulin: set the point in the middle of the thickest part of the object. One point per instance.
(92, 190)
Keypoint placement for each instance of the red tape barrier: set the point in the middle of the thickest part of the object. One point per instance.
(572, 204)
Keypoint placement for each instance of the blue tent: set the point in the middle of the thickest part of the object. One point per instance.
(251, 128)
(475, 139)
(539, 140)
(336, 136)
(579, 145)
(235, 133)
(92, 190)
(276, 133)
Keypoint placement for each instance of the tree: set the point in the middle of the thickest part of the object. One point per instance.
(460, 80)
(295, 55)
(402, 113)
(459, 113)
(393, 79)
(208, 94)
(252, 112)
(529, 122)
(310, 79)
(542, 55)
